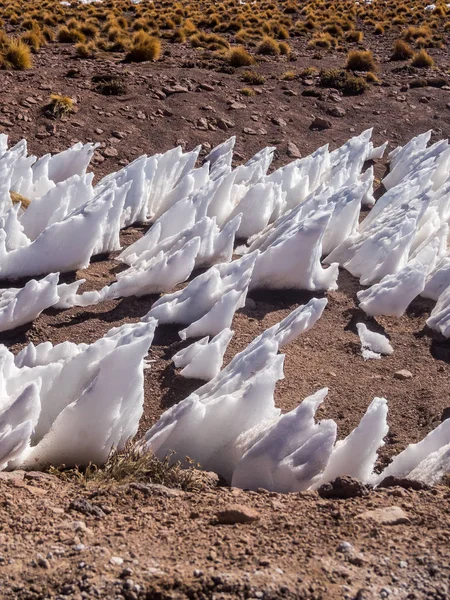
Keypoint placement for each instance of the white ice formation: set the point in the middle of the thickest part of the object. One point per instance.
(19, 306)
(287, 221)
(203, 359)
(231, 425)
(373, 344)
(99, 409)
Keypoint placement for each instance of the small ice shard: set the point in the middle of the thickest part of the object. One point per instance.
(373, 344)
(425, 455)
(99, 409)
(394, 293)
(357, 453)
(207, 304)
(292, 261)
(439, 319)
(206, 360)
(21, 306)
(184, 357)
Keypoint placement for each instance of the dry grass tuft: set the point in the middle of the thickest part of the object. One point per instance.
(422, 60)
(401, 51)
(144, 48)
(16, 198)
(17, 56)
(60, 106)
(360, 60)
(239, 57)
(131, 465)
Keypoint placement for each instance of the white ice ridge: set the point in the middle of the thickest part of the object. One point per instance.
(206, 425)
(203, 359)
(19, 306)
(72, 404)
(208, 303)
(373, 344)
(231, 426)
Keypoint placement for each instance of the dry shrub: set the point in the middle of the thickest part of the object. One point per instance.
(268, 46)
(401, 51)
(253, 78)
(132, 465)
(422, 60)
(86, 50)
(360, 60)
(354, 36)
(60, 105)
(17, 56)
(69, 36)
(239, 57)
(144, 48)
(340, 79)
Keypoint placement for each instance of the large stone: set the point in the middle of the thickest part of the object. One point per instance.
(293, 151)
(236, 513)
(343, 487)
(403, 374)
(388, 515)
(320, 124)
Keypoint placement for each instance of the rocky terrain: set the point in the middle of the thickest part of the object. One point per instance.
(63, 538)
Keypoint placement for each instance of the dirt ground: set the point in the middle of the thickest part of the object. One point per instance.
(149, 542)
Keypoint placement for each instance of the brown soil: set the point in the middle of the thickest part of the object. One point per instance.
(169, 542)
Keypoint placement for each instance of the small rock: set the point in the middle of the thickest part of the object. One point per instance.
(250, 131)
(206, 87)
(403, 374)
(120, 135)
(110, 152)
(225, 124)
(39, 476)
(290, 93)
(116, 561)
(337, 111)
(156, 489)
(293, 151)
(389, 515)
(84, 507)
(343, 487)
(236, 513)
(233, 106)
(345, 548)
(279, 121)
(5, 123)
(175, 89)
(11, 475)
(402, 482)
(43, 562)
(320, 124)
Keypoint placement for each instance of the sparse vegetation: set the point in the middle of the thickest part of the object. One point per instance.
(341, 79)
(401, 51)
(16, 55)
(422, 60)
(144, 48)
(239, 57)
(253, 78)
(131, 465)
(60, 106)
(361, 60)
